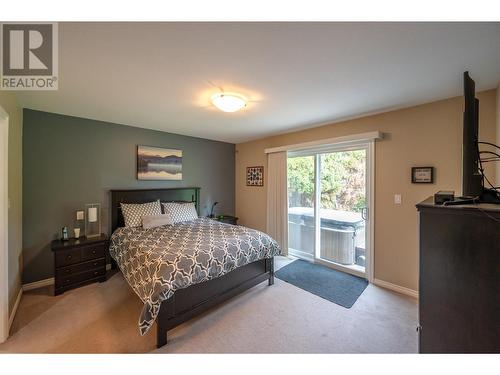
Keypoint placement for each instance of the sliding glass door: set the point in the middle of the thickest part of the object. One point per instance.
(328, 206)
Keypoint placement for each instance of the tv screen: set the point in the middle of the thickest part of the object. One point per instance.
(472, 182)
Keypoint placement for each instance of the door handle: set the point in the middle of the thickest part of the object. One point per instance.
(364, 213)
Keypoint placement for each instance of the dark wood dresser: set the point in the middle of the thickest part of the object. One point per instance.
(459, 285)
(79, 261)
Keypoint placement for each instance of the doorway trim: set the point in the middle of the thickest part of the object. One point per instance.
(337, 141)
(370, 270)
(4, 241)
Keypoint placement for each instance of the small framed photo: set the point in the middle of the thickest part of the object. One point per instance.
(255, 176)
(422, 175)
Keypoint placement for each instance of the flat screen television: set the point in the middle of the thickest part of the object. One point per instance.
(472, 180)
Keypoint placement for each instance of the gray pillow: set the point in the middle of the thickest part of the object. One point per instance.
(180, 211)
(133, 212)
(153, 221)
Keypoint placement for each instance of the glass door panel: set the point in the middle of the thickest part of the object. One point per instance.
(301, 190)
(328, 207)
(342, 203)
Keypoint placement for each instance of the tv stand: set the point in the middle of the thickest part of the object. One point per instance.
(459, 305)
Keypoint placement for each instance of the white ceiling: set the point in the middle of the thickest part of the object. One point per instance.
(298, 75)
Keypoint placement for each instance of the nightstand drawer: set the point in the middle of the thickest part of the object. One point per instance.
(79, 261)
(67, 257)
(79, 277)
(93, 252)
(76, 268)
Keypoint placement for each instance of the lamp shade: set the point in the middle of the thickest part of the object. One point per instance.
(92, 214)
(93, 222)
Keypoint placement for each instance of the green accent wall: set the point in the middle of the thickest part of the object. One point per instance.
(70, 161)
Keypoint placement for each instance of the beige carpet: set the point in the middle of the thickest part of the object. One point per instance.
(102, 318)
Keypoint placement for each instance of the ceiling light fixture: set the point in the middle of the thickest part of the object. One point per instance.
(229, 102)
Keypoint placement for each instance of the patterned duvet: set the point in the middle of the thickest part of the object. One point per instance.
(156, 262)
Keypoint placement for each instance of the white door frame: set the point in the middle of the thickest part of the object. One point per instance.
(370, 192)
(4, 269)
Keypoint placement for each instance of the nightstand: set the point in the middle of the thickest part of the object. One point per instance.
(228, 219)
(78, 262)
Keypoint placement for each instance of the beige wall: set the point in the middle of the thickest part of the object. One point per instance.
(425, 135)
(9, 103)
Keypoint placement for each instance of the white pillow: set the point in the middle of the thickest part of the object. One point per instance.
(133, 212)
(153, 221)
(180, 211)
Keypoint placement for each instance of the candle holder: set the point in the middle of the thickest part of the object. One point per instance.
(93, 220)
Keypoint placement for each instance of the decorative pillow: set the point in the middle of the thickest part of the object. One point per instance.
(133, 212)
(153, 221)
(180, 211)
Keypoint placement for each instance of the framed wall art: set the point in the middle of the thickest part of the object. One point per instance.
(255, 176)
(422, 175)
(156, 163)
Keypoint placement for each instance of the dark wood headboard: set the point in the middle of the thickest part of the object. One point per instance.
(148, 195)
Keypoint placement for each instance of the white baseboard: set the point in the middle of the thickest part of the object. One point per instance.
(396, 288)
(14, 309)
(38, 284)
(47, 282)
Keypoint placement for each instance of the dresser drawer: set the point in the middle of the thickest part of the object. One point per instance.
(80, 267)
(79, 277)
(67, 257)
(93, 252)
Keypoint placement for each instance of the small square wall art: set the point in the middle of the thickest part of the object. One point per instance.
(255, 176)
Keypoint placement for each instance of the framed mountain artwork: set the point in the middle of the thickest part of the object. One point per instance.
(158, 164)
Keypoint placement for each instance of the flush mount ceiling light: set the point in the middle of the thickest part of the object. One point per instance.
(229, 101)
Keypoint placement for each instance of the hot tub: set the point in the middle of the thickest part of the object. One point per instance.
(341, 233)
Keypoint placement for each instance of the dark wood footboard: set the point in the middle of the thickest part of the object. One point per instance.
(192, 301)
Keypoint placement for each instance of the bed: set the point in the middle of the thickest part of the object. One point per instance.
(173, 296)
